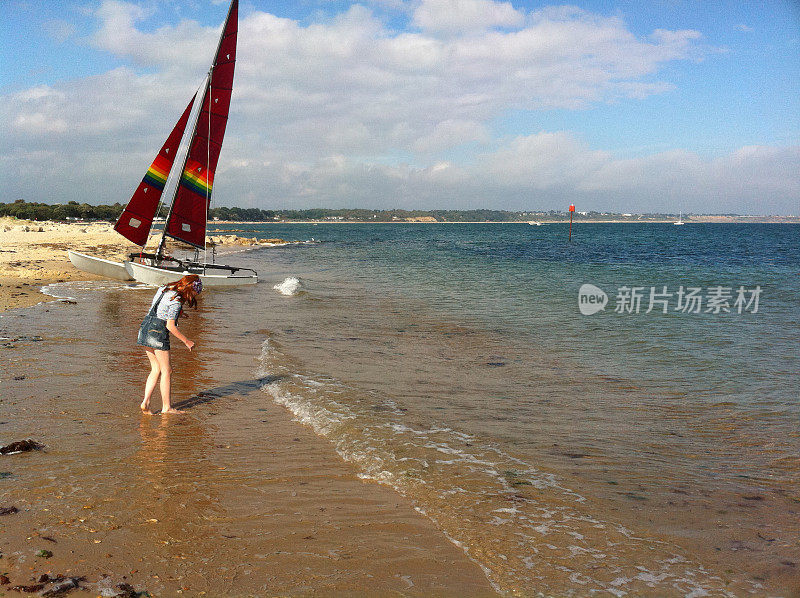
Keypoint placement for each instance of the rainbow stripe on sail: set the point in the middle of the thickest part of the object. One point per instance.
(195, 178)
(156, 175)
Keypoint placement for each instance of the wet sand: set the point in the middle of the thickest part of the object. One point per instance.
(231, 498)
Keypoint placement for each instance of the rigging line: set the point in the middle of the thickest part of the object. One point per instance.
(171, 169)
(191, 131)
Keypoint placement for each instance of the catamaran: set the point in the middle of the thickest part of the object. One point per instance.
(204, 125)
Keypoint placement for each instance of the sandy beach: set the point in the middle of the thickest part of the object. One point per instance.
(34, 254)
(232, 498)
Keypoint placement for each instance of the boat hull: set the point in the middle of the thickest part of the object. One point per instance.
(99, 266)
(160, 276)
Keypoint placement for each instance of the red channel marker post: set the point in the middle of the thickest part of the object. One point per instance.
(571, 212)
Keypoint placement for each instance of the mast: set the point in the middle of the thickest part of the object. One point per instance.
(189, 212)
(174, 192)
(136, 219)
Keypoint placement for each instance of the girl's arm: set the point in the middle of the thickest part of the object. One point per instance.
(173, 328)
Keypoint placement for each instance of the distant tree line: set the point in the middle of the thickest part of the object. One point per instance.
(72, 210)
(60, 212)
(84, 211)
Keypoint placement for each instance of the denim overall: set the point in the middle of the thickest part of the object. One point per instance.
(153, 332)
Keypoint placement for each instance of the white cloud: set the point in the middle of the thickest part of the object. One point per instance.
(186, 45)
(550, 170)
(37, 123)
(397, 5)
(326, 113)
(543, 161)
(458, 16)
(451, 133)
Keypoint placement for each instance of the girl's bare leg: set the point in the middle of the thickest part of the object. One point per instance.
(165, 386)
(152, 380)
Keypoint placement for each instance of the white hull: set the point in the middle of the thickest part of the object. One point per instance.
(99, 266)
(159, 276)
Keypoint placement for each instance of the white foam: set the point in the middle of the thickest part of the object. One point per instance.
(290, 286)
(360, 439)
(52, 291)
(63, 291)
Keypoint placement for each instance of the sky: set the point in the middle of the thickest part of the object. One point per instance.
(620, 106)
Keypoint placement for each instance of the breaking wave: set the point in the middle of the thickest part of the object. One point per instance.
(289, 286)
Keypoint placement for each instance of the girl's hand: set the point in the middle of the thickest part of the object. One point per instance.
(189, 344)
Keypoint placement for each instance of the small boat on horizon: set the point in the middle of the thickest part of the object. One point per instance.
(203, 125)
(680, 219)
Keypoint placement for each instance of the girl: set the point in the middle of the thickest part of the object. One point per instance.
(154, 335)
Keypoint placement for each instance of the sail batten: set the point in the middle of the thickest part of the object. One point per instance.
(189, 213)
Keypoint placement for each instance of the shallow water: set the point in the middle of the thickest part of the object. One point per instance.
(631, 452)
(638, 453)
(230, 498)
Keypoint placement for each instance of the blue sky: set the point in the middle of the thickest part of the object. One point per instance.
(625, 106)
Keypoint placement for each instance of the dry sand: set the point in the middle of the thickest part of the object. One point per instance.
(34, 254)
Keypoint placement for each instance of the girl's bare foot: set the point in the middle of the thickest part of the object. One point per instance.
(145, 407)
(171, 410)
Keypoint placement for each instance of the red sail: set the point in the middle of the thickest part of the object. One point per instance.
(136, 220)
(187, 220)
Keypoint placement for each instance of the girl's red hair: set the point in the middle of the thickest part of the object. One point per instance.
(185, 289)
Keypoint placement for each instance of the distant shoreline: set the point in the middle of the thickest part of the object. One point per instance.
(74, 212)
(695, 220)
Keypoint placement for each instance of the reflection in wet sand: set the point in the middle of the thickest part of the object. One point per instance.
(179, 503)
(231, 497)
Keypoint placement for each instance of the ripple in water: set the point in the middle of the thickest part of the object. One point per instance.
(529, 532)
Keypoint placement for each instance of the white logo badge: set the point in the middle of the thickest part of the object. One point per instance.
(591, 299)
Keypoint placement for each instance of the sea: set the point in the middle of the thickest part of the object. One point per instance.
(616, 413)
